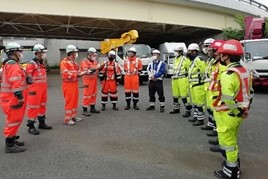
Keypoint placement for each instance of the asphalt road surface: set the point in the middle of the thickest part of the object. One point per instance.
(131, 144)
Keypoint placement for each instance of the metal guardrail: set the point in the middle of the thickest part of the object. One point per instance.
(256, 4)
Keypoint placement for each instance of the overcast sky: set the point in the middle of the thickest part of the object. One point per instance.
(265, 2)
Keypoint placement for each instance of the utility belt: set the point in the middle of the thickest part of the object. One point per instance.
(157, 79)
(179, 76)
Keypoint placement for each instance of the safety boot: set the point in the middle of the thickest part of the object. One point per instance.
(128, 105)
(198, 123)
(220, 174)
(12, 147)
(93, 109)
(212, 134)
(114, 107)
(193, 120)
(103, 108)
(233, 172)
(85, 112)
(187, 114)
(213, 142)
(32, 130)
(18, 143)
(215, 148)
(150, 108)
(162, 109)
(42, 124)
(135, 106)
(175, 111)
(207, 128)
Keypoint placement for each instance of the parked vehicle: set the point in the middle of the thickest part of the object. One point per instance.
(167, 54)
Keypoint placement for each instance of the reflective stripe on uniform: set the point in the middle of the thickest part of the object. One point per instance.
(12, 124)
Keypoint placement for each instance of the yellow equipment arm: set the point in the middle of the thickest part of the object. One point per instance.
(126, 38)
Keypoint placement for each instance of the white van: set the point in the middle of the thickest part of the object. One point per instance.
(256, 60)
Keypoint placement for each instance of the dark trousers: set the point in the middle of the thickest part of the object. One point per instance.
(156, 87)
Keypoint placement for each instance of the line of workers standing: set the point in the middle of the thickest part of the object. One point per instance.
(217, 83)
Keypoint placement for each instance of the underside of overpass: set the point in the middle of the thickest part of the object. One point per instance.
(85, 28)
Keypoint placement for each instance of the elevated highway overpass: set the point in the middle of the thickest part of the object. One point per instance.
(156, 20)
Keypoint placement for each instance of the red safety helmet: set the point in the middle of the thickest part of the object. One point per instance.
(231, 47)
(216, 44)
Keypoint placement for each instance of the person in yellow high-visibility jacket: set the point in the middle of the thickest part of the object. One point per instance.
(212, 75)
(231, 106)
(180, 83)
(196, 80)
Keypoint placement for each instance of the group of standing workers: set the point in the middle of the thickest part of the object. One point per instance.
(20, 88)
(222, 86)
(217, 83)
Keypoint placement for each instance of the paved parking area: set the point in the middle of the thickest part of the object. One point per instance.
(131, 144)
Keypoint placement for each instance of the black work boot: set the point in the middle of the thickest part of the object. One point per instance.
(42, 123)
(114, 107)
(198, 123)
(12, 147)
(18, 143)
(162, 109)
(93, 109)
(233, 172)
(32, 130)
(213, 142)
(150, 108)
(175, 111)
(215, 148)
(220, 174)
(128, 105)
(135, 106)
(206, 128)
(103, 108)
(86, 112)
(187, 114)
(193, 120)
(212, 134)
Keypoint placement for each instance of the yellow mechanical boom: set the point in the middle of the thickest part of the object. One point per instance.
(126, 38)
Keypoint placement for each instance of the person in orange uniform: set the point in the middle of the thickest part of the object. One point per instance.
(132, 67)
(13, 96)
(109, 76)
(70, 73)
(91, 68)
(37, 96)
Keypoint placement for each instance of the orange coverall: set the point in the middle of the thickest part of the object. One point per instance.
(69, 73)
(90, 81)
(37, 92)
(111, 72)
(132, 66)
(13, 80)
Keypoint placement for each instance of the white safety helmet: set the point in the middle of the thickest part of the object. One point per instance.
(208, 41)
(179, 48)
(71, 48)
(193, 46)
(39, 48)
(112, 52)
(156, 52)
(12, 46)
(206, 44)
(132, 49)
(92, 50)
